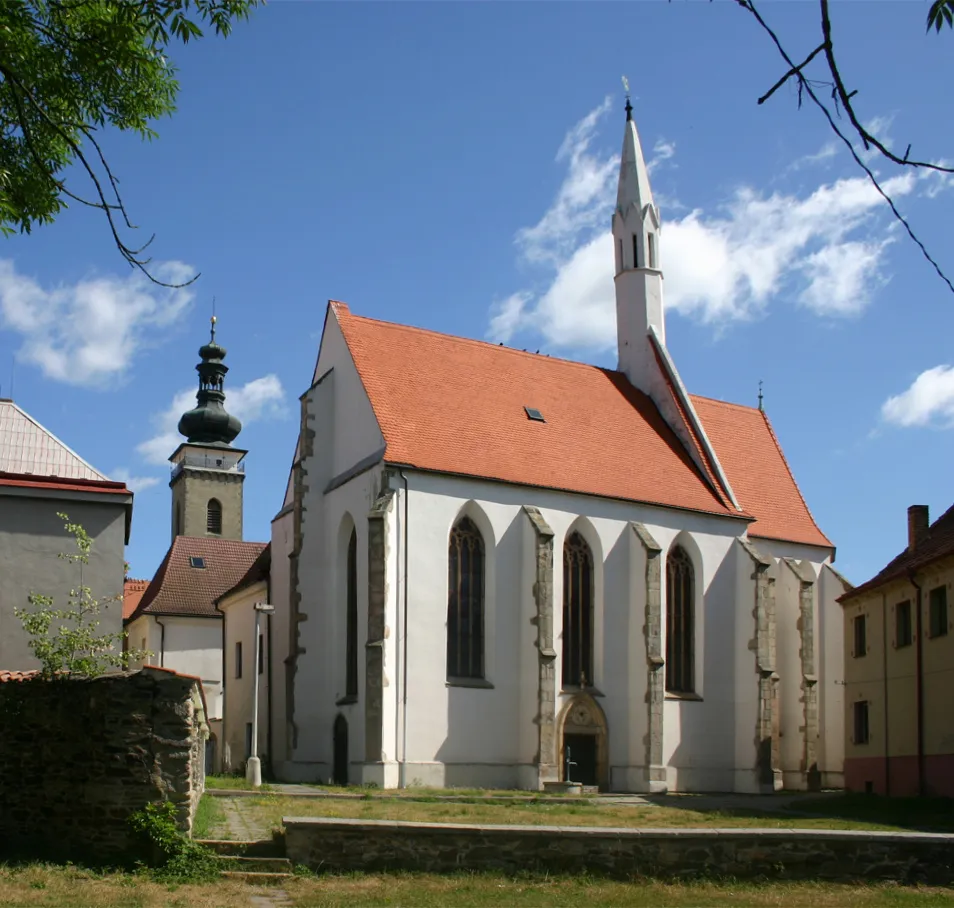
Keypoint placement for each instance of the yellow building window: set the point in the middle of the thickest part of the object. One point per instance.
(861, 636)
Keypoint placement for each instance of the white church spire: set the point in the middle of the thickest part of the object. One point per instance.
(639, 279)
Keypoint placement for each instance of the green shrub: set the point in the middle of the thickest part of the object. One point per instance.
(171, 856)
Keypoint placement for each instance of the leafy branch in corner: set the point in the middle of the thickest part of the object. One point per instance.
(70, 68)
(65, 640)
(940, 13)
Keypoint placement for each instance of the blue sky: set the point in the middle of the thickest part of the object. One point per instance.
(452, 166)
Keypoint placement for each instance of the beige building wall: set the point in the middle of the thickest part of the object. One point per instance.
(885, 676)
(239, 615)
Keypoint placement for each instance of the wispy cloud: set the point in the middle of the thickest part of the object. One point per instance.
(262, 398)
(928, 401)
(134, 483)
(88, 332)
(822, 250)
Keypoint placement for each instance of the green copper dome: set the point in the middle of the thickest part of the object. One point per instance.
(209, 422)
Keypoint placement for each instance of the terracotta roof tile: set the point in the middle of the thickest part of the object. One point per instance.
(938, 543)
(181, 589)
(758, 472)
(16, 676)
(455, 405)
(132, 594)
(258, 572)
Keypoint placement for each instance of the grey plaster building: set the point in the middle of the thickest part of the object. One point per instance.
(40, 477)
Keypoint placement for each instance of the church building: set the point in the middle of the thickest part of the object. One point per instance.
(176, 620)
(501, 569)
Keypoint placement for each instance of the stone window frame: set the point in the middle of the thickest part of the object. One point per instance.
(213, 517)
(466, 538)
(903, 626)
(859, 636)
(861, 718)
(685, 640)
(587, 609)
(938, 612)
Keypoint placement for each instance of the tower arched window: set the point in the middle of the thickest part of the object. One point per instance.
(465, 602)
(577, 612)
(651, 242)
(351, 680)
(213, 517)
(635, 251)
(680, 630)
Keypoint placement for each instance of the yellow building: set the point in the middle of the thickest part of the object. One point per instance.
(899, 668)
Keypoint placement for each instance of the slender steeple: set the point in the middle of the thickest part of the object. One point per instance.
(639, 279)
(209, 423)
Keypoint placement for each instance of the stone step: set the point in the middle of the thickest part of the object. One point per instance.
(256, 879)
(243, 864)
(262, 848)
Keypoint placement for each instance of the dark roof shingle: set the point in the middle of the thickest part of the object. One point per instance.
(178, 588)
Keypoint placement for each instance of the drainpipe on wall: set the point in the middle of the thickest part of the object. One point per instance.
(919, 685)
(162, 642)
(268, 674)
(884, 666)
(403, 780)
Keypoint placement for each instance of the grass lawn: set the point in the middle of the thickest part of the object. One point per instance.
(827, 813)
(70, 887)
(231, 782)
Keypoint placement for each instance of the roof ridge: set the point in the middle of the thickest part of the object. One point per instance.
(798, 490)
(472, 340)
(727, 403)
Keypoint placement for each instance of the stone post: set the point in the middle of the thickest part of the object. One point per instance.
(546, 655)
(806, 631)
(375, 678)
(655, 663)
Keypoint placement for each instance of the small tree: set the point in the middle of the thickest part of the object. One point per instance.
(65, 640)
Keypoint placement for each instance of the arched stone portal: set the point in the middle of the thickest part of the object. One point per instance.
(583, 746)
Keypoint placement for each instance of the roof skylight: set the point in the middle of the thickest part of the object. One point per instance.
(196, 561)
(534, 414)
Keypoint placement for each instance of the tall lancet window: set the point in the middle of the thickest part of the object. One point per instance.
(351, 618)
(651, 240)
(635, 251)
(465, 602)
(577, 612)
(213, 517)
(680, 584)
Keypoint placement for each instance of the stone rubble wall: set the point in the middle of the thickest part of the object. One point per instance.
(77, 757)
(375, 845)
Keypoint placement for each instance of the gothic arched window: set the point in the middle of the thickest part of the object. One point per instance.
(351, 680)
(213, 517)
(465, 602)
(679, 622)
(577, 612)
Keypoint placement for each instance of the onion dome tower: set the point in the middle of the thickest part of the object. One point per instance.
(208, 472)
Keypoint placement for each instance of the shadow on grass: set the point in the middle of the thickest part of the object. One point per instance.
(912, 814)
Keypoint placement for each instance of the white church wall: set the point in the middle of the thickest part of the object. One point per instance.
(483, 733)
(831, 680)
(282, 539)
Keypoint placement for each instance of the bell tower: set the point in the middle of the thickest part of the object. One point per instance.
(207, 471)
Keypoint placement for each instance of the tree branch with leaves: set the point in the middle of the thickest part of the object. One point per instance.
(841, 100)
(68, 70)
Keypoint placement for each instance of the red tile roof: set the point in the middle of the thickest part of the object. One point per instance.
(455, 405)
(30, 481)
(258, 572)
(132, 594)
(937, 543)
(181, 589)
(758, 472)
(16, 676)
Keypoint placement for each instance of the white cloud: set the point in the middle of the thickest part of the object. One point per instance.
(262, 398)
(87, 332)
(662, 152)
(929, 400)
(822, 250)
(134, 483)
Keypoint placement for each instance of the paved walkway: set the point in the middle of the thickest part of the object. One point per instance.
(240, 822)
